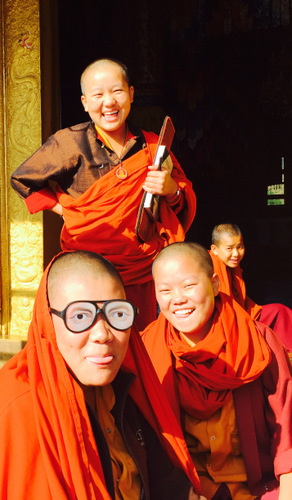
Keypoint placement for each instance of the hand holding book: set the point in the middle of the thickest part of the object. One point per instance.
(158, 182)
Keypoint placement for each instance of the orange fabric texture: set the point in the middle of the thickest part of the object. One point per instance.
(233, 285)
(47, 447)
(232, 354)
(103, 218)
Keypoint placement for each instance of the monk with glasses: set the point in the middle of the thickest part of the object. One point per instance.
(82, 414)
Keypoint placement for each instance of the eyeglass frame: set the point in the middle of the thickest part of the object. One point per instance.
(98, 310)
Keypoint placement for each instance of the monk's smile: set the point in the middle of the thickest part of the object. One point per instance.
(182, 313)
(185, 294)
(110, 115)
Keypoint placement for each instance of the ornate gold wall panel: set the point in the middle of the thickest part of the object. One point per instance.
(21, 234)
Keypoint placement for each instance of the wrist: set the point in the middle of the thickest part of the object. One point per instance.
(173, 199)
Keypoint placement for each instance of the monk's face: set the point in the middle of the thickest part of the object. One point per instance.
(185, 294)
(95, 355)
(230, 250)
(107, 97)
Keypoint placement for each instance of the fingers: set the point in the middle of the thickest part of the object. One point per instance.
(159, 182)
(155, 182)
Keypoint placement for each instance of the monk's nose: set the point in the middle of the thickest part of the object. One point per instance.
(178, 296)
(100, 331)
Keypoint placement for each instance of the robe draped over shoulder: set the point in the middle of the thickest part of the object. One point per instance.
(103, 218)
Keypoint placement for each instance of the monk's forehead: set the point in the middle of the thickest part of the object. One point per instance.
(81, 272)
(99, 67)
(190, 257)
(77, 273)
(228, 238)
(173, 254)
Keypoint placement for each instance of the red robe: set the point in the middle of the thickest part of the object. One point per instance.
(47, 447)
(232, 357)
(276, 316)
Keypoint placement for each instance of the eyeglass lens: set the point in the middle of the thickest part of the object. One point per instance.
(81, 315)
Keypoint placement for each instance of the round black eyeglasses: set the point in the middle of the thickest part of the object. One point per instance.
(79, 315)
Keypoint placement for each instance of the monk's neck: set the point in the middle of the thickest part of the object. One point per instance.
(192, 340)
(117, 139)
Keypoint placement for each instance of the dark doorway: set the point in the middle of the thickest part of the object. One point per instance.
(223, 72)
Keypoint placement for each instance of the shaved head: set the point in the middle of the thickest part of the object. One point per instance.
(186, 287)
(193, 250)
(100, 63)
(79, 262)
(221, 229)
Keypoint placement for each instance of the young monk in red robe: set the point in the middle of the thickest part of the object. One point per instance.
(226, 376)
(82, 414)
(94, 174)
(227, 251)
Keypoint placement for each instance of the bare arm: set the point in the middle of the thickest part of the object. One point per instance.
(57, 209)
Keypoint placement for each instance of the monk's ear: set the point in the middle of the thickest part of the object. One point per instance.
(214, 249)
(131, 89)
(215, 284)
(84, 102)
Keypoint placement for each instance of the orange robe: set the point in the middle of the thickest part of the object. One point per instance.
(47, 447)
(276, 316)
(234, 359)
(103, 220)
(202, 377)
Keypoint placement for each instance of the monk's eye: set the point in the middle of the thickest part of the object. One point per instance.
(79, 316)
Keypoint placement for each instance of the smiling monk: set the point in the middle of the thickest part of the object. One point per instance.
(94, 174)
(226, 376)
(227, 252)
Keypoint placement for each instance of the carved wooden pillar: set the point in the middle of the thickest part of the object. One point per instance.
(21, 235)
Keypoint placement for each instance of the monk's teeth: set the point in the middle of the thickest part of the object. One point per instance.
(183, 312)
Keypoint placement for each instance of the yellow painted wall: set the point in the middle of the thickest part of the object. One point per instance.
(21, 234)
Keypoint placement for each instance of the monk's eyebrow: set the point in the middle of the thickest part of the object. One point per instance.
(96, 90)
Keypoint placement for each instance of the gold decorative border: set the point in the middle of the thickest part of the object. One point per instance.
(21, 235)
